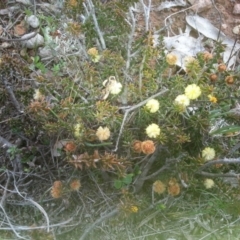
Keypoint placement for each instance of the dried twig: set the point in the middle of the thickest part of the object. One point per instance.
(99, 32)
(33, 34)
(41, 209)
(219, 161)
(146, 10)
(12, 96)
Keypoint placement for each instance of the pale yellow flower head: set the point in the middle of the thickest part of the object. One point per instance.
(159, 187)
(134, 209)
(208, 153)
(103, 133)
(93, 53)
(171, 59)
(192, 91)
(37, 95)
(112, 85)
(208, 183)
(152, 105)
(182, 100)
(153, 130)
(77, 128)
(189, 59)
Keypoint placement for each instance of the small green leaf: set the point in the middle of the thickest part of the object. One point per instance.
(128, 178)
(117, 184)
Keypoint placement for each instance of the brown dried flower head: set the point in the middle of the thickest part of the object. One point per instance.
(159, 187)
(207, 56)
(229, 80)
(70, 147)
(213, 77)
(136, 146)
(75, 185)
(222, 67)
(148, 147)
(173, 187)
(72, 3)
(56, 191)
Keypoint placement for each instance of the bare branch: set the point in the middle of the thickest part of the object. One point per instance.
(99, 32)
(219, 161)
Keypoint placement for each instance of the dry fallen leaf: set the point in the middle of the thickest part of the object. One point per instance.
(20, 29)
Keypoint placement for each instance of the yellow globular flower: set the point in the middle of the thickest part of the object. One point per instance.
(134, 209)
(171, 59)
(153, 130)
(212, 98)
(208, 153)
(152, 105)
(159, 187)
(182, 100)
(77, 128)
(208, 183)
(192, 91)
(103, 133)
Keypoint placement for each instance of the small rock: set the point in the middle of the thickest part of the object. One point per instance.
(5, 45)
(33, 21)
(236, 8)
(236, 30)
(33, 42)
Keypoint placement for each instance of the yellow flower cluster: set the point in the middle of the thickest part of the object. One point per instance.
(134, 209)
(192, 92)
(212, 99)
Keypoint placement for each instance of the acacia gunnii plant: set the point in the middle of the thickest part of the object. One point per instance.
(113, 103)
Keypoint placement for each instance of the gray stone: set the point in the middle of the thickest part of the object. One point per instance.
(236, 8)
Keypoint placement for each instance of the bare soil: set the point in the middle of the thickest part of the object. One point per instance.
(220, 15)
